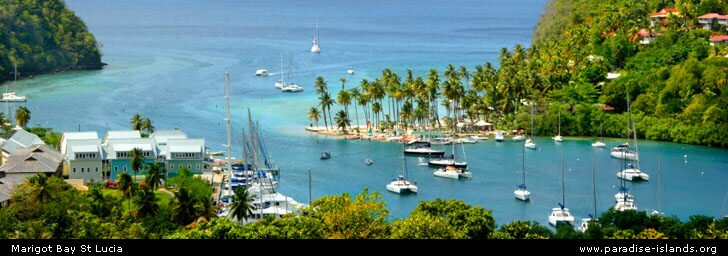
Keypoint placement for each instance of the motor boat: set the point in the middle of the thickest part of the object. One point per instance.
(350, 71)
(261, 72)
(12, 97)
(325, 155)
(599, 144)
(530, 144)
(447, 162)
(292, 88)
(499, 136)
(623, 151)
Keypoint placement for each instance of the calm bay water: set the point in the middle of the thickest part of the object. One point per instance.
(167, 58)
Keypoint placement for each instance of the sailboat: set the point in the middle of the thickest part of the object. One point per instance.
(561, 214)
(400, 184)
(630, 172)
(558, 137)
(11, 96)
(521, 191)
(292, 87)
(315, 47)
(599, 143)
(531, 143)
(350, 71)
(659, 191)
(585, 221)
(623, 151)
(450, 167)
(423, 148)
(281, 83)
(624, 199)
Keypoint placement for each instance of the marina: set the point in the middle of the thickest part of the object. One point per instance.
(185, 80)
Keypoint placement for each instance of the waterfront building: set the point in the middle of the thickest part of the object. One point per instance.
(177, 150)
(118, 154)
(84, 156)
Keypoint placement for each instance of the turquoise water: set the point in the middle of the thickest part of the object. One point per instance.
(167, 58)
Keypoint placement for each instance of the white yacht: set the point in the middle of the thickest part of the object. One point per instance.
(622, 151)
(521, 193)
(453, 173)
(401, 185)
(315, 43)
(561, 215)
(441, 141)
(478, 137)
(447, 162)
(465, 141)
(12, 97)
(499, 136)
(624, 200)
(558, 138)
(599, 144)
(631, 174)
(519, 137)
(350, 71)
(530, 144)
(424, 151)
(292, 88)
(261, 72)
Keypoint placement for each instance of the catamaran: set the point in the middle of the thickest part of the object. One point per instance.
(281, 83)
(401, 184)
(585, 221)
(561, 214)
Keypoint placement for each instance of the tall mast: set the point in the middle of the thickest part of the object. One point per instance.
(594, 186)
(254, 156)
(227, 120)
(659, 187)
(282, 81)
(523, 165)
(559, 119)
(563, 187)
(533, 129)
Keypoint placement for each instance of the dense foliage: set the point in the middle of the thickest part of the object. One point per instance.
(676, 84)
(41, 36)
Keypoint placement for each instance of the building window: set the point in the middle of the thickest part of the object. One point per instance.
(124, 168)
(198, 166)
(97, 169)
(189, 166)
(81, 169)
(74, 169)
(171, 166)
(116, 168)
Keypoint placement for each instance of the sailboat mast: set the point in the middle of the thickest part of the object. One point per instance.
(559, 119)
(253, 155)
(523, 165)
(282, 80)
(227, 120)
(594, 186)
(563, 186)
(659, 187)
(533, 129)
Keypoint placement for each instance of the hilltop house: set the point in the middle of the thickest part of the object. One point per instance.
(710, 19)
(20, 139)
(84, 156)
(28, 161)
(661, 16)
(646, 36)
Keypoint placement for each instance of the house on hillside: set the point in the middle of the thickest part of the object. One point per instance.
(177, 150)
(84, 156)
(661, 16)
(722, 39)
(20, 139)
(118, 154)
(646, 36)
(29, 161)
(710, 19)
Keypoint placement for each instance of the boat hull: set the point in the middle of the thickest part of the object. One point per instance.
(599, 144)
(453, 175)
(447, 162)
(625, 155)
(522, 194)
(434, 153)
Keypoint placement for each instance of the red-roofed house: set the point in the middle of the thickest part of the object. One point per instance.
(659, 17)
(712, 18)
(722, 39)
(646, 37)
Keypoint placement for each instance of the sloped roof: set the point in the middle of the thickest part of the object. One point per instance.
(118, 135)
(124, 145)
(163, 135)
(184, 146)
(710, 16)
(38, 158)
(720, 38)
(71, 136)
(664, 12)
(21, 139)
(83, 146)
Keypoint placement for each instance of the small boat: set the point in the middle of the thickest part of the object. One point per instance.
(424, 151)
(315, 47)
(12, 97)
(519, 137)
(585, 223)
(447, 162)
(441, 141)
(465, 141)
(599, 144)
(350, 71)
(499, 136)
(558, 138)
(401, 185)
(325, 155)
(353, 137)
(368, 161)
(292, 88)
(453, 172)
(261, 72)
(521, 193)
(631, 174)
(622, 151)
(477, 137)
(530, 144)
(624, 200)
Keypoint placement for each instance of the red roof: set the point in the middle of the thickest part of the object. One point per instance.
(721, 38)
(643, 32)
(664, 12)
(712, 15)
(607, 108)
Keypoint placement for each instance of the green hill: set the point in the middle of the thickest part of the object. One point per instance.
(43, 36)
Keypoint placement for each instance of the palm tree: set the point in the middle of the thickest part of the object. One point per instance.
(342, 120)
(22, 116)
(147, 125)
(326, 103)
(98, 201)
(127, 187)
(433, 86)
(146, 202)
(136, 122)
(242, 206)
(136, 160)
(376, 108)
(313, 114)
(183, 207)
(39, 189)
(355, 94)
(155, 175)
(206, 208)
(344, 99)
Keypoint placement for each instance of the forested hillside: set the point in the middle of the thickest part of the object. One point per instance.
(43, 36)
